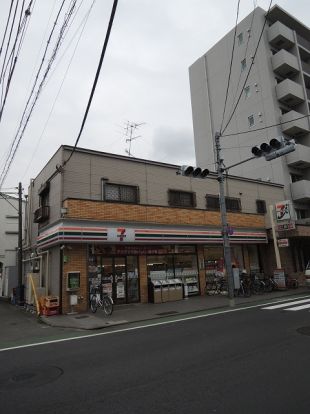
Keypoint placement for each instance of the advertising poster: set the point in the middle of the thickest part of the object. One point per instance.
(279, 278)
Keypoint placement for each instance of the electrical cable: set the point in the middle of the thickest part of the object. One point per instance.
(265, 127)
(17, 139)
(6, 26)
(249, 71)
(9, 40)
(106, 40)
(245, 55)
(230, 65)
(82, 25)
(22, 30)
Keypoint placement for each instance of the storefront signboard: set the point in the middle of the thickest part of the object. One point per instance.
(283, 211)
(286, 226)
(120, 290)
(283, 242)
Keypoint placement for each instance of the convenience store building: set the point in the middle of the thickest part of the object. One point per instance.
(122, 222)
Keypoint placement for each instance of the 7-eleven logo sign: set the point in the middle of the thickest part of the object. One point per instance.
(121, 233)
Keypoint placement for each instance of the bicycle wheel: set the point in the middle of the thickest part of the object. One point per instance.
(93, 303)
(107, 305)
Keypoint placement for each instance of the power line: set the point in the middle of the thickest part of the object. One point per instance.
(249, 71)
(82, 25)
(6, 26)
(266, 127)
(230, 66)
(17, 139)
(245, 54)
(20, 33)
(106, 40)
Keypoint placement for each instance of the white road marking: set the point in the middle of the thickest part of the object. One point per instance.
(284, 305)
(145, 326)
(297, 308)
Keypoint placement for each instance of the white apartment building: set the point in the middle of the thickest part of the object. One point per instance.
(277, 91)
(8, 244)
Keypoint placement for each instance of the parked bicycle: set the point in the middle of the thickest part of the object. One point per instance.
(102, 300)
(216, 284)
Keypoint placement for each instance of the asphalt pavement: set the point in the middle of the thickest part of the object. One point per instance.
(136, 312)
(253, 361)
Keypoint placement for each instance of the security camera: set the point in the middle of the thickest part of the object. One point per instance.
(62, 247)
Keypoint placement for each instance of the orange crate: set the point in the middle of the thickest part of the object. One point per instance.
(51, 301)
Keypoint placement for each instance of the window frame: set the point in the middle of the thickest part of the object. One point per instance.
(251, 123)
(213, 197)
(243, 65)
(106, 184)
(233, 199)
(247, 91)
(261, 207)
(240, 39)
(227, 200)
(172, 204)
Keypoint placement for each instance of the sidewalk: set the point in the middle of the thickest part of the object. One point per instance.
(127, 314)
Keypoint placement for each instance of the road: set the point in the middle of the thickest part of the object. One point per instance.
(248, 361)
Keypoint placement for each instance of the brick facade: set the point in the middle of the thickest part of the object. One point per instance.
(76, 261)
(100, 210)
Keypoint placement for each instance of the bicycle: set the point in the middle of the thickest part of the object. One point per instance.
(103, 301)
(216, 285)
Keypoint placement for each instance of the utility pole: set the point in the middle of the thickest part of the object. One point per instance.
(20, 244)
(226, 242)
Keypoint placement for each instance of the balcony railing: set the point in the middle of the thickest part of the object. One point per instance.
(290, 92)
(293, 126)
(301, 190)
(285, 63)
(41, 214)
(281, 36)
(300, 158)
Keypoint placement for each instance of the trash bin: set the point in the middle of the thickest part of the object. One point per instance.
(155, 291)
(178, 289)
(164, 290)
(171, 284)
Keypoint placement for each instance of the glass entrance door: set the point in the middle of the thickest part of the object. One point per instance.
(119, 281)
(120, 278)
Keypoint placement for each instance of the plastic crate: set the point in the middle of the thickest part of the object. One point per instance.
(50, 311)
(50, 301)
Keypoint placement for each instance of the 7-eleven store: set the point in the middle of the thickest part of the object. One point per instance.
(123, 257)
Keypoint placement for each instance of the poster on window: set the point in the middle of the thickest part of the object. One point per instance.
(120, 290)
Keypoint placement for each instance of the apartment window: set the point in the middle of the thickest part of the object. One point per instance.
(181, 198)
(233, 204)
(243, 65)
(247, 92)
(301, 214)
(261, 206)
(121, 193)
(296, 177)
(251, 120)
(212, 202)
(240, 38)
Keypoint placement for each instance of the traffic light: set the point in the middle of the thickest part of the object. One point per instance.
(196, 172)
(276, 148)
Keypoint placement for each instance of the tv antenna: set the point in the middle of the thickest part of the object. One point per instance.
(130, 131)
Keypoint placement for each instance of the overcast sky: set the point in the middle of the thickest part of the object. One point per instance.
(144, 78)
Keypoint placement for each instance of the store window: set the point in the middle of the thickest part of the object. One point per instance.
(181, 198)
(253, 258)
(181, 266)
(120, 193)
